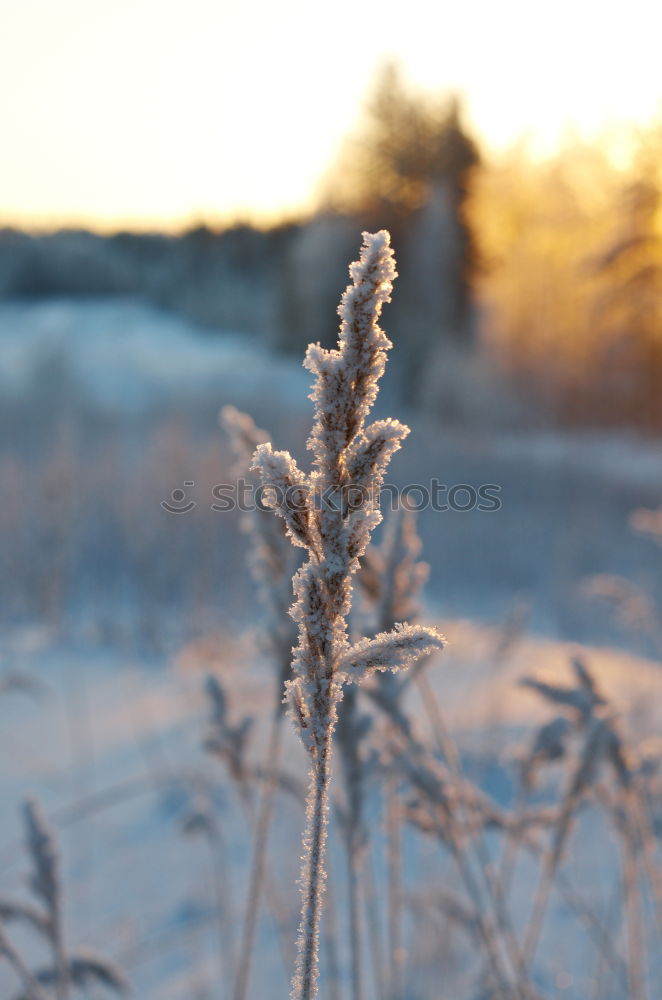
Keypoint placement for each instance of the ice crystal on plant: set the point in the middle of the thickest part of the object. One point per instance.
(331, 513)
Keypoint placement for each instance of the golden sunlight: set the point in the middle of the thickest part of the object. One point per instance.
(147, 113)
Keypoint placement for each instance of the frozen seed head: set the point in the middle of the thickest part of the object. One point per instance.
(271, 559)
(347, 379)
(332, 511)
(87, 968)
(334, 527)
(223, 739)
(549, 744)
(288, 492)
(622, 760)
(580, 700)
(244, 436)
(41, 844)
(393, 651)
(587, 681)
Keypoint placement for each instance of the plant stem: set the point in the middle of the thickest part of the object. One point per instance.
(550, 864)
(304, 986)
(62, 990)
(330, 942)
(643, 826)
(394, 857)
(274, 900)
(33, 989)
(353, 876)
(264, 814)
(636, 948)
(374, 928)
(474, 836)
(223, 898)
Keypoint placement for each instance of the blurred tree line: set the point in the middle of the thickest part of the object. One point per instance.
(408, 169)
(527, 291)
(572, 283)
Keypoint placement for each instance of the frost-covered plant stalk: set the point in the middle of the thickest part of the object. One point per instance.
(330, 512)
(392, 577)
(351, 732)
(273, 561)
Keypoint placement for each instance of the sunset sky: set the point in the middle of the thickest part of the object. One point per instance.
(158, 113)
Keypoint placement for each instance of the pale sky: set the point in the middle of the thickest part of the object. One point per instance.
(154, 112)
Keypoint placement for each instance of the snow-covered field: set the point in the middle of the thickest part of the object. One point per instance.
(122, 357)
(107, 407)
(118, 609)
(113, 750)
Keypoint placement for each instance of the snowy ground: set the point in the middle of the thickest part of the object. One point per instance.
(121, 356)
(120, 608)
(113, 751)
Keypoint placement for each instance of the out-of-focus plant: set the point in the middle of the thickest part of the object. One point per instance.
(604, 768)
(69, 971)
(272, 561)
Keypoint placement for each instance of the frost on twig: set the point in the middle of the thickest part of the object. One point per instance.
(331, 512)
(272, 559)
(392, 651)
